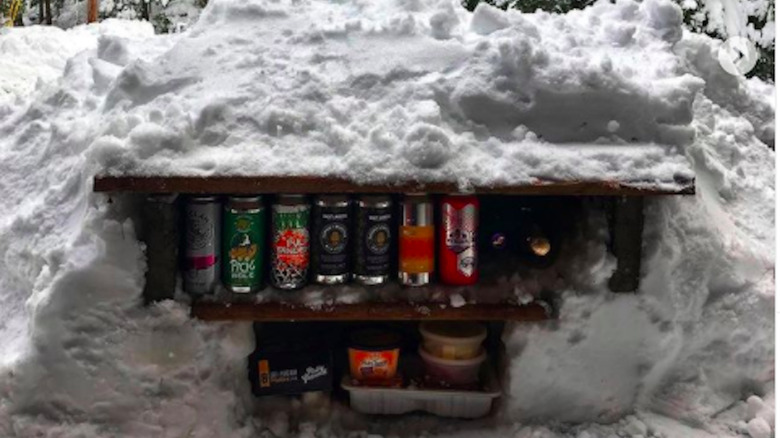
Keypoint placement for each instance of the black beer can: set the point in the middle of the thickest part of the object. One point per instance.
(331, 239)
(373, 240)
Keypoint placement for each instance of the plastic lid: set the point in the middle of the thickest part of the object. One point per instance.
(451, 331)
(474, 361)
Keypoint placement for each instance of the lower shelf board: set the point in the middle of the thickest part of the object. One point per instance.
(367, 311)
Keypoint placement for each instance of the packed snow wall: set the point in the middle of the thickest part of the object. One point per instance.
(384, 89)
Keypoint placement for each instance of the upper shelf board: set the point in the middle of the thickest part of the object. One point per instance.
(319, 184)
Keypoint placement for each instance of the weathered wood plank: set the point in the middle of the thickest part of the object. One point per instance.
(161, 236)
(372, 311)
(628, 217)
(317, 184)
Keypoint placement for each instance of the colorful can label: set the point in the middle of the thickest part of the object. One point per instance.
(243, 239)
(202, 225)
(374, 240)
(416, 252)
(290, 245)
(330, 247)
(416, 242)
(458, 240)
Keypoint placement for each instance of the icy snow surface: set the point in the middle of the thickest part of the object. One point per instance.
(380, 89)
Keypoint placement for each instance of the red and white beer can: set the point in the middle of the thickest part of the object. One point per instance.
(458, 240)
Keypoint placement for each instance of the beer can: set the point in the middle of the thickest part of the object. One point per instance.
(243, 239)
(458, 240)
(330, 239)
(201, 246)
(373, 240)
(290, 242)
(416, 241)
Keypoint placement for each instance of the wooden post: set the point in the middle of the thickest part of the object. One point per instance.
(145, 6)
(47, 11)
(161, 235)
(628, 223)
(92, 11)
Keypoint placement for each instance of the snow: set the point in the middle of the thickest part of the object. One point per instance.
(374, 93)
(381, 90)
(41, 52)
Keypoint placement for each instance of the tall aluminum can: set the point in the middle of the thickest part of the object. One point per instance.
(201, 247)
(243, 242)
(290, 242)
(373, 240)
(416, 241)
(458, 240)
(331, 239)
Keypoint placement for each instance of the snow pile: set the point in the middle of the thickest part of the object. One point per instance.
(37, 53)
(382, 89)
(378, 91)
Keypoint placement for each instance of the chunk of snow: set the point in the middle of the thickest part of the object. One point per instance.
(635, 426)
(758, 428)
(457, 300)
(488, 19)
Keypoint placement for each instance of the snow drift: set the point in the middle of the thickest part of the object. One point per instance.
(381, 90)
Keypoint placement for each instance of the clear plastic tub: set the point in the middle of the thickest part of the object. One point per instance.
(452, 371)
(441, 402)
(453, 340)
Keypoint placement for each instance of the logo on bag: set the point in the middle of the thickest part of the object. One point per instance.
(314, 372)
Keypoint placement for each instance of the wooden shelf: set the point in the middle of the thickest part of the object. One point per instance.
(311, 184)
(370, 311)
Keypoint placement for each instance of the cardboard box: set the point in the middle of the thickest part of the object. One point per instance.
(291, 364)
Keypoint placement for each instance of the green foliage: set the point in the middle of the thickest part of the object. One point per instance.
(5, 12)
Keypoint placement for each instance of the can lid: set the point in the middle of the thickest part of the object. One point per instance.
(203, 198)
(167, 198)
(332, 200)
(375, 200)
(245, 198)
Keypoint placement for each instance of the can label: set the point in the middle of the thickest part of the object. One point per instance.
(243, 239)
(201, 246)
(373, 365)
(290, 263)
(330, 250)
(373, 248)
(460, 233)
(416, 249)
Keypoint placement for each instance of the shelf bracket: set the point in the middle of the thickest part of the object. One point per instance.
(628, 223)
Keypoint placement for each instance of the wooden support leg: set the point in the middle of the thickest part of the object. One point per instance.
(161, 235)
(628, 217)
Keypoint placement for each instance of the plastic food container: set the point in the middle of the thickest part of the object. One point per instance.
(453, 371)
(441, 402)
(453, 340)
(373, 354)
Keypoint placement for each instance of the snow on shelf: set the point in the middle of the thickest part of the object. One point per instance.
(366, 311)
(322, 184)
(389, 302)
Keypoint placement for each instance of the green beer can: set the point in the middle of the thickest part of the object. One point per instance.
(242, 244)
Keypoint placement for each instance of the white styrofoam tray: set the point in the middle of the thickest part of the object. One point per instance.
(441, 402)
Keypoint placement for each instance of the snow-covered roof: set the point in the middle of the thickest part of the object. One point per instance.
(408, 90)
